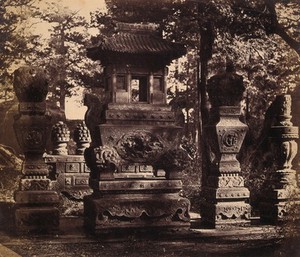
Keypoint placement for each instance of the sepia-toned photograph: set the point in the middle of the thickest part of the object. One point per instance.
(162, 128)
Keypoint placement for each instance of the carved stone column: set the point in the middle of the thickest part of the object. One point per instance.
(281, 185)
(224, 193)
(36, 202)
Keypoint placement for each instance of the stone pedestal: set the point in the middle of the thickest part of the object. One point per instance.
(225, 195)
(133, 196)
(132, 208)
(36, 201)
(280, 189)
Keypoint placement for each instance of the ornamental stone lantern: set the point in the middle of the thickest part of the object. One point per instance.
(280, 190)
(224, 191)
(134, 154)
(36, 201)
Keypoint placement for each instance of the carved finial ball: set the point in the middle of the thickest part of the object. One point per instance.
(30, 84)
(60, 132)
(81, 133)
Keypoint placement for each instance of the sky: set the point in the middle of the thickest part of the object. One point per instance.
(83, 6)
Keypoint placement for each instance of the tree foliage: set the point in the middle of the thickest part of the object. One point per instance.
(64, 54)
(15, 41)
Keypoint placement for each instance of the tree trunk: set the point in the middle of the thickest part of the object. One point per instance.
(278, 29)
(294, 44)
(206, 43)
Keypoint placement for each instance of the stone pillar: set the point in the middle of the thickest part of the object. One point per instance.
(224, 193)
(82, 138)
(60, 137)
(36, 202)
(281, 185)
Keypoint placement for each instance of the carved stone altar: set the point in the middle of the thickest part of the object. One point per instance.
(36, 201)
(134, 154)
(280, 189)
(224, 191)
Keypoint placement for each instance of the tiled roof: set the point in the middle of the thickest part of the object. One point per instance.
(137, 43)
(140, 44)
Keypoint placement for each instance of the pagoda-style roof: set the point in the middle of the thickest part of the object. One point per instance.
(136, 39)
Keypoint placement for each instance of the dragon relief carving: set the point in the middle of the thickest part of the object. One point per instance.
(139, 146)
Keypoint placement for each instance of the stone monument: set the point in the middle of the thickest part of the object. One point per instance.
(135, 158)
(36, 201)
(225, 195)
(280, 189)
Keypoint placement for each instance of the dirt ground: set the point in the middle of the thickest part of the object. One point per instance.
(72, 240)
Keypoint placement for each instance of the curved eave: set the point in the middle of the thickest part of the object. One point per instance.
(127, 44)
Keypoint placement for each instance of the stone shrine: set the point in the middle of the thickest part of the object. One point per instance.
(223, 187)
(135, 158)
(36, 201)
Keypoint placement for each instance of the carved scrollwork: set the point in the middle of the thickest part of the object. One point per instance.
(231, 181)
(34, 138)
(106, 155)
(139, 209)
(230, 138)
(35, 184)
(233, 212)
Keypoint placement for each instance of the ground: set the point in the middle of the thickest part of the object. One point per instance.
(72, 240)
